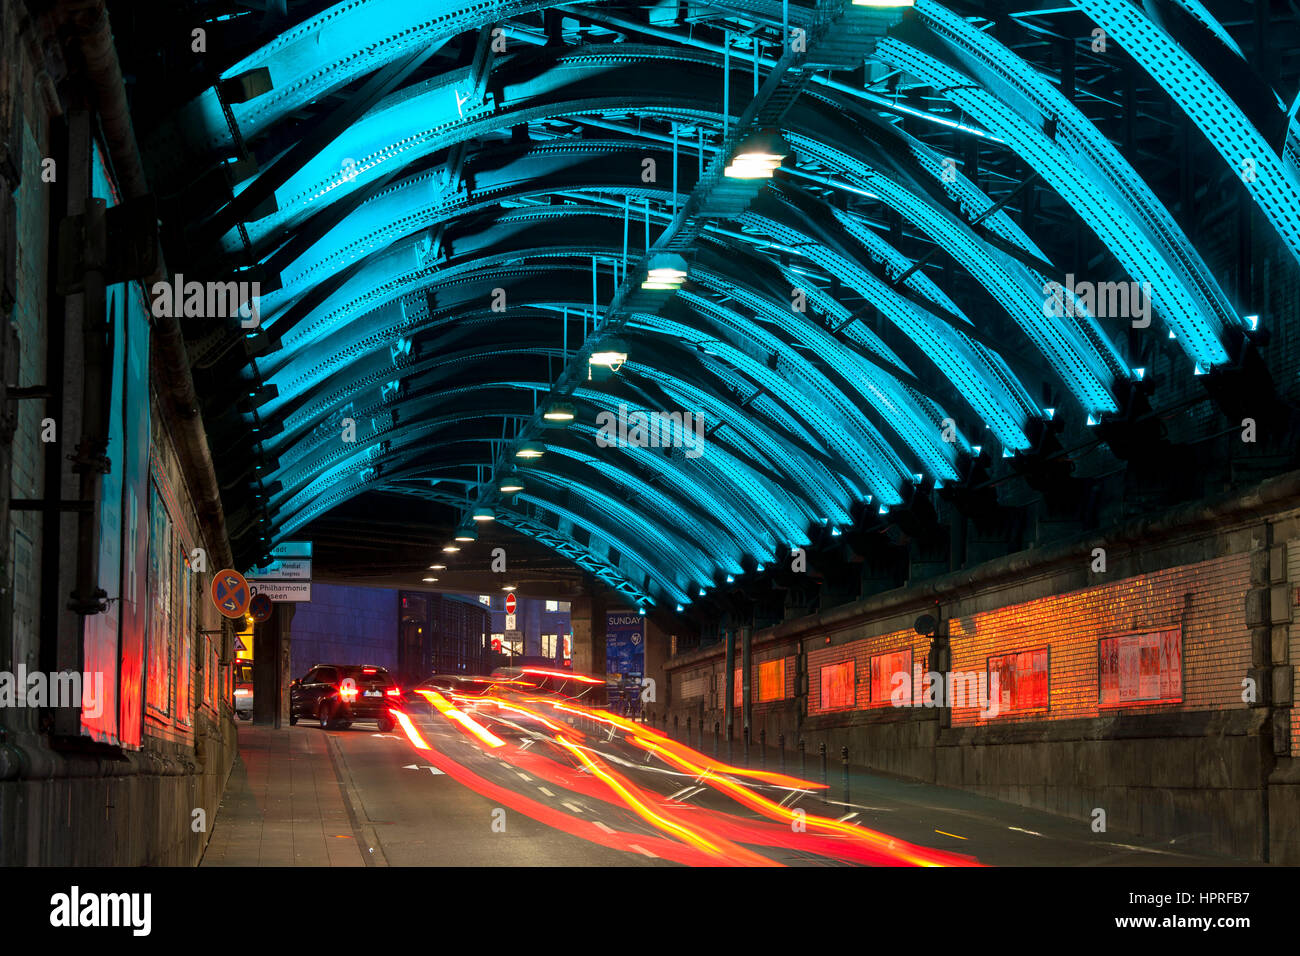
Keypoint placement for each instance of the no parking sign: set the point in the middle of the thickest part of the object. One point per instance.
(230, 593)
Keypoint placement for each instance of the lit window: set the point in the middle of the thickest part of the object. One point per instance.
(771, 681)
(890, 673)
(1140, 668)
(485, 599)
(837, 686)
(552, 605)
(1021, 680)
(549, 644)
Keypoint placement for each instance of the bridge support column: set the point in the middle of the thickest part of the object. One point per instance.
(587, 618)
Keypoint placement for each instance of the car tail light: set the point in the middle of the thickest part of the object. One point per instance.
(348, 693)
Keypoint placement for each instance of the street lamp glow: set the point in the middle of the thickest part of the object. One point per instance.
(450, 549)
(428, 580)
(484, 514)
(466, 534)
(757, 157)
(511, 484)
(530, 450)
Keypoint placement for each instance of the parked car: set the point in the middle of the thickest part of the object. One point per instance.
(244, 689)
(337, 694)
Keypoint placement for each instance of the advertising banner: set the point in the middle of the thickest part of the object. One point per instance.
(624, 645)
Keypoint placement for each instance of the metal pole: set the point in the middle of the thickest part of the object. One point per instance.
(674, 170)
(726, 83)
(762, 748)
(781, 741)
(844, 756)
(715, 738)
(803, 758)
(821, 749)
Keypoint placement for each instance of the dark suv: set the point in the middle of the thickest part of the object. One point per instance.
(337, 694)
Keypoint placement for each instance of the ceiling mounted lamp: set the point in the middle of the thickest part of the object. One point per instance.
(451, 549)
(437, 567)
(511, 484)
(466, 533)
(666, 271)
(611, 355)
(558, 414)
(428, 580)
(484, 514)
(508, 587)
(758, 156)
(530, 451)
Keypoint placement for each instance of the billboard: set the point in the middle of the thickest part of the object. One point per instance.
(624, 644)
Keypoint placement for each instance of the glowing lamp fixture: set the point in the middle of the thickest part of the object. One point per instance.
(530, 450)
(559, 414)
(484, 514)
(466, 533)
(511, 484)
(428, 580)
(757, 157)
(437, 567)
(451, 549)
(611, 355)
(508, 587)
(667, 271)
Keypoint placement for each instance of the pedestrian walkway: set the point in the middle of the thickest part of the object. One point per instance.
(284, 805)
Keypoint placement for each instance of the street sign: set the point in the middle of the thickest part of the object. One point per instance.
(230, 593)
(279, 591)
(260, 607)
(510, 622)
(510, 603)
(282, 569)
(292, 549)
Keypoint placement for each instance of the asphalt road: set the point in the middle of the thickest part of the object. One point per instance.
(583, 793)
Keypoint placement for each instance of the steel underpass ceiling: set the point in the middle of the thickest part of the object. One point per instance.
(452, 207)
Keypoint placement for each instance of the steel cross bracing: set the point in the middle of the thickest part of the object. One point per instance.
(923, 275)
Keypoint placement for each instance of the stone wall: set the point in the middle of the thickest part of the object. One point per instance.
(1209, 767)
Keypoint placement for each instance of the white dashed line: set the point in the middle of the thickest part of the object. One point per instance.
(545, 791)
(575, 809)
(1030, 832)
(847, 817)
(524, 776)
(641, 849)
(603, 827)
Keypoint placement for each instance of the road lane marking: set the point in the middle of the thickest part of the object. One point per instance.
(641, 849)
(545, 791)
(524, 777)
(953, 835)
(847, 817)
(603, 827)
(572, 807)
(1030, 832)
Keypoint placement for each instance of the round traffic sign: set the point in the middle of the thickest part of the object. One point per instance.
(230, 593)
(260, 607)
(510, 603)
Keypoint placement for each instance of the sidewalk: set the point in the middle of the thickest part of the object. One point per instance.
(283, 805)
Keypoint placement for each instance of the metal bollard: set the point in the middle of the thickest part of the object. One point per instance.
(762, 748)
(803, 759)
(781, 743)
(749, 740)
(688, 730)
(844, 756)
(821, 749)
(717, 730)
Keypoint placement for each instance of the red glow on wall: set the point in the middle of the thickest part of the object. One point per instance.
(890, 671)
(838, 686)
(1022, 680)
(1140, 668)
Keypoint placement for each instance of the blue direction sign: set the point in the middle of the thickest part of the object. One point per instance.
(230, 593)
